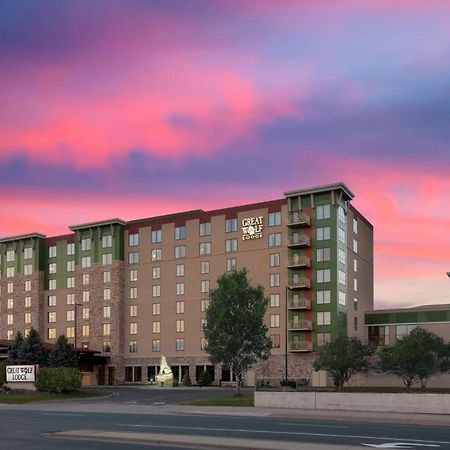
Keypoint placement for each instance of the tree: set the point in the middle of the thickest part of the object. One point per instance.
(33, 349)
(235, 329)
(342, 358)
(414, 358)
(15, 353)
(205, 379)
(63, 354)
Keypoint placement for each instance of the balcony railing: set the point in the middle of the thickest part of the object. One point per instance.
(300, 346)
(299, 303)
(299, 219)
(299, 240)
(300, 325)
(299, 283)
(299, 261)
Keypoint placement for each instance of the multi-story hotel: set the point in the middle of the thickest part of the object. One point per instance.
(128, 292)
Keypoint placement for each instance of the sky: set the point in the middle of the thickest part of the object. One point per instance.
(135, 108)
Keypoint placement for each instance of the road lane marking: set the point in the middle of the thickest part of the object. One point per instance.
(294, 433)
(64, 414)
(309, 425)
(395, 445)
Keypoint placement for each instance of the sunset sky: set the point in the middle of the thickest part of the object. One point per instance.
(135, 108)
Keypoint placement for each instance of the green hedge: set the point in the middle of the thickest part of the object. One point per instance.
(58, 379)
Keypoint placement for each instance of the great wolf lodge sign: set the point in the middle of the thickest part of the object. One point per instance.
(252, 228)
(20, 374)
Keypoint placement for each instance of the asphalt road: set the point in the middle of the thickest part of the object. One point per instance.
(31, 427)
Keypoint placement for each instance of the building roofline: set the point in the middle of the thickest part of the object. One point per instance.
(435, 307)
(20, 237)
(323, 188)
(99, 223)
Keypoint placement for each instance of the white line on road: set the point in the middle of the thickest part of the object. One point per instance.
(63, 414)
(295, 433)
(310, 425)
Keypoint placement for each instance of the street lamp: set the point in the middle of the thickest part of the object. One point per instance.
(286, 338)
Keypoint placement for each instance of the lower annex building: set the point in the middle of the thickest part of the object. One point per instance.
(126, 293)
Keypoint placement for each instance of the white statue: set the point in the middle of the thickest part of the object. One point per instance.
(165, 375)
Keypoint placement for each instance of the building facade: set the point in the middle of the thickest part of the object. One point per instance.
(132, 291)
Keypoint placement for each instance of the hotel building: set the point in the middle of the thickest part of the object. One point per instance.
(126, 293)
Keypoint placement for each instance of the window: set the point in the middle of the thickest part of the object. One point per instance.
(203, 324)
(275, 338)
(27, 253)
(341, 214)
(133, 292)
(342, 277)
(205, 229)
(85, 330)
(204, 305)
(203, 343)
(323, 212)
(341, 256)
(107, 294)
(274, 219)
(323, 233)
(180, 232)
(180, 288)
(107, 241)
(86, 261)
(156, 309)
(179, 270)
(180, 326)
(70, 299)
(107, 276)
(27, 269)
(27, 302)
(355, 245)
(133, 257)
(156, 254)
(274, 259)
(134, 275)
(133, 347)
(51, 333)
(133, 239)
(70, 249)
(355, 304)
(179, 344)
(355, 265)
(51, 317)
(323, 338)
(274, 239)
(323, 318)
(156, 327)
(107, 312)
(52, 268)
(355, 284)
(404, 330)
(86, 296)
(323, 254)
(106, 329)
(156, 290)
(10, 255)
(156, 344)
(341, 235)
(323, 297)
(274, 279)
(355, 226)
(107, 259)
(231, 264)
(180, 251)
(10, 288)
(10, 319)
(85, 313)
(27, 286)
(106, 346)
(70, 315)
(204, 267)
(355, 323)
(51, 252)
(70, 332)
(133, 310)
(205, 248)
(133, 328)
(70, 282)
(9, 272)
(156, 236)
(342, 300)
(274, 321)
(205, 286)
(85, 244)
(10, 303)
(231, 245)
(230, 225)
(274, 300)
(51, 285)
(70, 266)
(180, 308)
(323, 275)
(51, 300)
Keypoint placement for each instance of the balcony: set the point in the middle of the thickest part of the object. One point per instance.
(299, 303)
(300, 346)
(299, 283)
(299, 262)
(299, 325)
(298, 219)
(299, 240)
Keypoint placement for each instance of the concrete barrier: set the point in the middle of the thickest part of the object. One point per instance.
(402, 403)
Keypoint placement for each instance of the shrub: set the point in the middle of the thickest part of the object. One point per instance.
(289, 383)
(2, 373)
(205, 379)
(186, 380)
(58, 379)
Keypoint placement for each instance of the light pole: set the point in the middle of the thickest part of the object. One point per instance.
(286, 338)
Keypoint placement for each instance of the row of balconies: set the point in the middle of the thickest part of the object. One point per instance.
(300, 346)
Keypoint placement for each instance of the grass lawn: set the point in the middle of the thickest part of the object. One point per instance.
(17, 397)
(223, 400)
